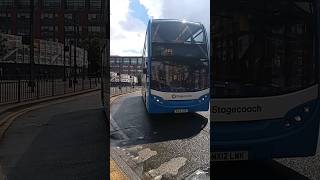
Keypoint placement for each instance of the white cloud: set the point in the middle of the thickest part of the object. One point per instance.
(154, 7)
(127, 32)
(193, 10)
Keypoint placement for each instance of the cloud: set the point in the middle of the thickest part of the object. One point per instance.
(154, 7)
(127, 32)
(193, 10)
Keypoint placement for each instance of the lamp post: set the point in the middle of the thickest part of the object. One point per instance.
(31, 57)
(75, 56)
(76, 31)
(64, 54)
(70, 82)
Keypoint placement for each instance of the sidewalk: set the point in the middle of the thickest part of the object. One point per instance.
(10, 106)
(115, 171)
(8, 113)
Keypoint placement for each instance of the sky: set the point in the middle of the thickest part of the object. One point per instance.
(129, 19)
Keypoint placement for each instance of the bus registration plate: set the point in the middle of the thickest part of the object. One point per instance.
(229, 156)
(180, 110)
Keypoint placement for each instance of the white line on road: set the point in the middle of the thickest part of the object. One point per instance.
(170, 168)
(144, 155)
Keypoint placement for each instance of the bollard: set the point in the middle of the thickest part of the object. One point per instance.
(19, 90)
(0, 91)
(52, 86)
(37, 88)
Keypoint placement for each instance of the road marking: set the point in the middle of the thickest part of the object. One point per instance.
(168, 168)
(116, 173)
(135, 148)
(199, 174)
(144, 155)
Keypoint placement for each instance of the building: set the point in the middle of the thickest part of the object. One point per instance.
(131, 65)
(54, 20)
(56, 24)
(45, 52)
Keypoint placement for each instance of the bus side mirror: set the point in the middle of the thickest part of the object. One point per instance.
(144, 70)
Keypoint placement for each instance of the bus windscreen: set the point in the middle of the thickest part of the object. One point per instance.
(177, 32)
(262, 48)
(179, 57)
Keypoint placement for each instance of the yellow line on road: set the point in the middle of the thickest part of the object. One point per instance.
(116, 173)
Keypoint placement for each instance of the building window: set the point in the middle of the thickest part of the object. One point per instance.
(68, 16)
(23, 15)
(75, 4)
(23, 31)
(23, 3)
(94, 28)
(46, 15)
(5, 15)
(95, 4)
(92, 16)
(68, 28)
(6, 3)
(51, 3)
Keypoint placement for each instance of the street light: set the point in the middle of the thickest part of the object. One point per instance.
(65, 48)
(70, 82)
(31, 63)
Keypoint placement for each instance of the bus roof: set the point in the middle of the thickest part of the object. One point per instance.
(174, 20)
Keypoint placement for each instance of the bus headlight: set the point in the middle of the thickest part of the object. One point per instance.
(306, 109)
(297, 118)
(299, 114)
(157, 99)
(203, 98)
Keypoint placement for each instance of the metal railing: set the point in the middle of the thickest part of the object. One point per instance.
(114, 91)
(18, 90)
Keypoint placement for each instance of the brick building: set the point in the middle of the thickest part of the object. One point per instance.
(54, 20)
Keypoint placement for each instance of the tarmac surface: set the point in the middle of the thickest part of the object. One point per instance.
(172, 146)
(65, 140)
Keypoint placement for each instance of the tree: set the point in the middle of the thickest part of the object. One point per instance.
(3, 48)
(92, 44)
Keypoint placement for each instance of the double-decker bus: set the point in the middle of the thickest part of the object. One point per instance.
(265, 56)
(176, 67)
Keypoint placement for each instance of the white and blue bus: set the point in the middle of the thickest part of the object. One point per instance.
(265, 56)
(176, 67)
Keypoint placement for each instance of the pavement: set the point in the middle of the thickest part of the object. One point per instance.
(63, 140)
(9, 92)
(162, 146)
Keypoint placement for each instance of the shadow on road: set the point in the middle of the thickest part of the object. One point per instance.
(70, 145)
(262, 170)
(135, 126)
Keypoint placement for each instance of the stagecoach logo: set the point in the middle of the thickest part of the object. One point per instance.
(232, 110)
(180, 96)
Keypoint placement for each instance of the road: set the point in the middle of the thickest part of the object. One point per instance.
(162, 146)
(307, 168)
(62, 140)
(283, 169)
(67, 140)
